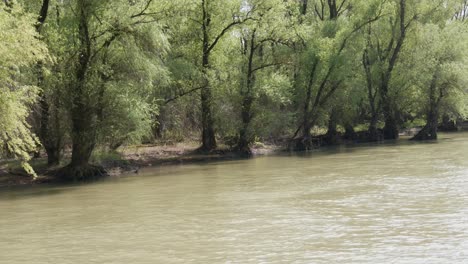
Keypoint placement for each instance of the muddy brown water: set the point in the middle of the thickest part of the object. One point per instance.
(398, 202)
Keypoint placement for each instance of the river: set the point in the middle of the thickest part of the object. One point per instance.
(398, 202)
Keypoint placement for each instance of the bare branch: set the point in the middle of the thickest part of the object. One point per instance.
(142, 12)
(181, 94)
(266, 66)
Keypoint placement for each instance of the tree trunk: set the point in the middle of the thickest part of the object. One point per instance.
(429, 132)
(448, 125)
(390, 130)
(51, 140)
(304, 7)
(374, 134)
(53, 156)
(208, 133)
(245, 134)
(391, 125)
(83, 115)
(333, 8)
(305, 142)
(332, 136)
(350, 133)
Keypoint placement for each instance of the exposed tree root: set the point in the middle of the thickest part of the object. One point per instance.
(427, 133)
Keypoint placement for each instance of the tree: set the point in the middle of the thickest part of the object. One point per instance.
(441, 70)
(48, 128)
(20, 49)
(322, 64)
(212, 20)
(260, 43)
(117, 49)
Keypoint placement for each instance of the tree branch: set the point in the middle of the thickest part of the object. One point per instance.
(224, 31)
(142, 12)
(167, 101)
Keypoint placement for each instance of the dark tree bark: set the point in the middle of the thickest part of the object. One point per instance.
(83, 115)
(208, 133)
(448, 124)
(429, 132)
(326, 87)
(209, 43)
(333, 9)
(245, 135)
(367, 63)
(306, 122)
(332, 136)
(391, 130)
(350, 133)
(253, 48)
(49, 135)
(42, 15)
(304, 7)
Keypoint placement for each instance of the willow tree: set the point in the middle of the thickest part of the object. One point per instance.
(387, 72)
(115, 52)
(327, 31)
(440, 72)
(20, 50)
(262, 44)
(205, 24)
(47, 125)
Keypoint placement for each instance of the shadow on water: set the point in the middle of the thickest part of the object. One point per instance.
(40, 190)
(358, 147)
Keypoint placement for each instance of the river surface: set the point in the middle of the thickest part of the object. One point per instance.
(389, 203)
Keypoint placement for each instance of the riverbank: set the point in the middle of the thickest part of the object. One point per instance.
(129, 160)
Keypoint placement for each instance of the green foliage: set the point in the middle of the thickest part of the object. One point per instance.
(270, 67)
(19, 50)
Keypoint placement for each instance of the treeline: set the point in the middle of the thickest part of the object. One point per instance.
(86, 73)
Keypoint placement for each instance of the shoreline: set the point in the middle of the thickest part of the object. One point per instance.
(132, 159)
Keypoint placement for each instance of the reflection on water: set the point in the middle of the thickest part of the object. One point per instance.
(392, 203)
